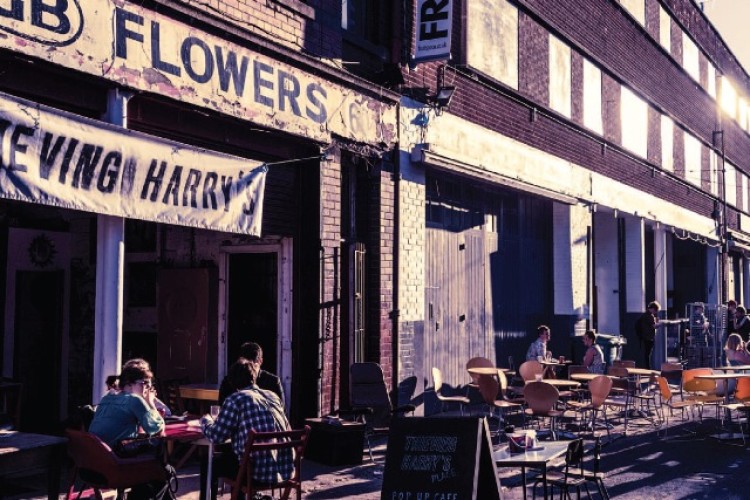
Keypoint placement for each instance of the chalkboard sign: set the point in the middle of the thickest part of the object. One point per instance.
(440, 459)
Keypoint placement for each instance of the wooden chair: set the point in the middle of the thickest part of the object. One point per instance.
(264, 443)
(701, 392)
(599, 388)
(491, 392)
(673, 373)
(477, 362)
(96, 465)
(530, 369)
(624, 363)
(668, 400)
(437, 380)
(541, 400)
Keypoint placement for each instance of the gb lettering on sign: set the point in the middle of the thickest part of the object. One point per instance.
(55, 23)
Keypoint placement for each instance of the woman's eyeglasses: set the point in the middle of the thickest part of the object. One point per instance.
(144, 383)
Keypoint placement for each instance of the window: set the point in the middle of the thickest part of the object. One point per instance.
(637, 9)
(690, 59)
(711, 88)
(692, 160)
(731, 180)
(744, 201)
(559, 76)
(634, 119)
(495, 25)
(592, 97)
(665, 29)
(713, 162)
(667, 143)
(367, 19)
(728, 98)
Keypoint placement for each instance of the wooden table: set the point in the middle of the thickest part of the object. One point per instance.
(558, 382)
(645, 372)
(24, 454)
(737, 368)
(486, 370)
(536, 459)
(183, 432)
(588, 377)
(204, 394)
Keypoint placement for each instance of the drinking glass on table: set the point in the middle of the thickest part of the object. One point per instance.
(215, 411)
(548, 356)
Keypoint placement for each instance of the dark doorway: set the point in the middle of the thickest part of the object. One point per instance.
(253, 305)
(38, 338)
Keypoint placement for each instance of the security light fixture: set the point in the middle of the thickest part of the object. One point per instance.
(442, 98)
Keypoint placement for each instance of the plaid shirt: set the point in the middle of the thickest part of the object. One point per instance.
(259, 410)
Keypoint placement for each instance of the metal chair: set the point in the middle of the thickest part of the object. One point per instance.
(599, 388)
(667, 399)
(437, 380)
(541, 400)
(261, 446)
(490, 390)
(572, 474)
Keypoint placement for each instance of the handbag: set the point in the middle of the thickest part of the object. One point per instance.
(150, 446)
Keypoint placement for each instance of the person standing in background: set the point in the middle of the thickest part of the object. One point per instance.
(742, 323)
(645, 329)
(264, 380)
(731, 311)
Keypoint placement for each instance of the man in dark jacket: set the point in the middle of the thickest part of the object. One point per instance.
(645, 328)
(265, 380)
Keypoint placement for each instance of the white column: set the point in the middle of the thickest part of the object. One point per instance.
(661, 264)
(110, 253)
(606, 272)
(635, 274)
(570, 247)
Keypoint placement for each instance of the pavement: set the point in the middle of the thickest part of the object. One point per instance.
(687, 464)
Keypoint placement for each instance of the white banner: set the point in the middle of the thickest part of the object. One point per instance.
(60, 159)
(434, 18)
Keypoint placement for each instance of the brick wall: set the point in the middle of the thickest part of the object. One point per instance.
(533, 59)
(330, 242)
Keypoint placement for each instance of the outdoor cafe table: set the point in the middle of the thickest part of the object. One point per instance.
(205, 394)
(23, 454)
(727, 377)
(588, 377)
(549, 451)
(191, 431)
(558, 382)
(736, 368)
(642, 372)
(486, 370)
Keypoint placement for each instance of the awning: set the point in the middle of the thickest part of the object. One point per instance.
(426, 157)
(55, 158)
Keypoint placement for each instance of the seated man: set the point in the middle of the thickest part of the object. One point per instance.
(538, 348)
(248, 408)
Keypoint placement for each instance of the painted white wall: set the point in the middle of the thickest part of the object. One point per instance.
(606, 277)
(569, 234)
(635, 275)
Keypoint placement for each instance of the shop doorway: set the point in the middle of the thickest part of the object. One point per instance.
(257, 299)
(38, 343)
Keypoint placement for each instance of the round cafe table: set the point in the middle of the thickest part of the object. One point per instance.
(737, 368)
(588, 377)
(487, 370)
(558, 382)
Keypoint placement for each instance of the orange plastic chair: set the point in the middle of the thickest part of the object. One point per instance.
(294, 440)
(96, 465)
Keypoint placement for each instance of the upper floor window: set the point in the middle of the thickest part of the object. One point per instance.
(492, 40)
(728, 98)
(713, 172)
(711, 84)
(731, 180)
(690, 58)
(369, 20)
(744, 202)
(692, 159)
(665, 29)
(637, 9)
(634, 119)
(592, 97)
(559, 76)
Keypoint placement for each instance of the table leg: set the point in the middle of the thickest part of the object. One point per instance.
(209, 471)
(544, 478)
(523, 481)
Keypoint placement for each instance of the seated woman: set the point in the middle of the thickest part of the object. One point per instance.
(593, 359)
(735, 351)
(120, 415)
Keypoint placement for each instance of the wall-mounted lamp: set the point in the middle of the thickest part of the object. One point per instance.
(442, 98)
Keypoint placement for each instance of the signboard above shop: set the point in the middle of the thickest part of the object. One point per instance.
(64, 160)
(434, 26)
(142, 49)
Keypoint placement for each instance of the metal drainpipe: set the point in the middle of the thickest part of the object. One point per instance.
(396, 313)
